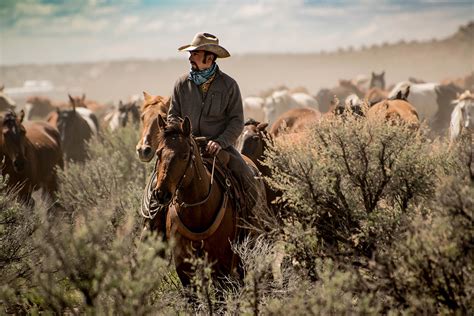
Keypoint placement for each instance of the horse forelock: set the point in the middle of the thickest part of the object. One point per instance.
(171, 130)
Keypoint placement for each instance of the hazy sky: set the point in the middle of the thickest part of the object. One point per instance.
(55, 31)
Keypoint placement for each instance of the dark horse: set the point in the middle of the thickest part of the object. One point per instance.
(253, 142)
(202, 217)
(30, 154)
(76, 127)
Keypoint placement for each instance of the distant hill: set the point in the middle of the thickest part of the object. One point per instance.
(432, 60)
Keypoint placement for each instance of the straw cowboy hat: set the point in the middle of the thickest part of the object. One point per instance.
(207, 42)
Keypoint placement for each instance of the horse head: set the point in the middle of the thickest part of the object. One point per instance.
(128, 113)
(175, 154)
(152, 107)
(123, 110)
(377, 80)
(253, 140)
(79, 102)
(14, 139)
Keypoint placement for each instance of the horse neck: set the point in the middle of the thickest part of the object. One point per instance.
(200, 179)
(197, 190)
(76, 139)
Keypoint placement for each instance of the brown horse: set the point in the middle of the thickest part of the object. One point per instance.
(295, 120)
(100, 110)
(38, 107)
(30, 154)
(375, 95)
(76, 127)
(202, 217)
(395, 112)
(152, 107)
(252, 143)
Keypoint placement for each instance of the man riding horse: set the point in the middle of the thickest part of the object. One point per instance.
(212, 101)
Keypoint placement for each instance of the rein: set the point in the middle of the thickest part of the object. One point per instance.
(184, 204)
(149, 213)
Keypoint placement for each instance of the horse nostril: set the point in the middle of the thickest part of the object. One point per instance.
(19, 164)
(147, 151)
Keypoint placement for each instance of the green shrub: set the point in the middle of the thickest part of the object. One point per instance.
(349, 185)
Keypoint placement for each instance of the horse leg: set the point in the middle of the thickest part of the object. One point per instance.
(184, 273)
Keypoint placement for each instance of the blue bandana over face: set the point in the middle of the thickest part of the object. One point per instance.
(201, 76)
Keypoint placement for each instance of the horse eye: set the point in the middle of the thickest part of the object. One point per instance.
(185, 156)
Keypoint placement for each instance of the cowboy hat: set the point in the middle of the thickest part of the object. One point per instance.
(207, 42)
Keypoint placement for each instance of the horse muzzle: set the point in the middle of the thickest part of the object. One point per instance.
(19, 165)
(145, 153)
(162, 197)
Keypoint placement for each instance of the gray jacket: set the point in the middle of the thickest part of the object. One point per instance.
(219, 116)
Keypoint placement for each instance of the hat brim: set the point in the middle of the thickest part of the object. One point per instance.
(220, 51)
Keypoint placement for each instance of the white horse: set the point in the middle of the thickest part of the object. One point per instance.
(462, 117)
(282, 101)
(253, 108)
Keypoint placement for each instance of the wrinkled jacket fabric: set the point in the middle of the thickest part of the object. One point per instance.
(219, 116)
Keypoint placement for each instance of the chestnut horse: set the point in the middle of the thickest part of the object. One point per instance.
(295, 120)
(202, 217)
(152, 106)
(395, 112)
(30, 154)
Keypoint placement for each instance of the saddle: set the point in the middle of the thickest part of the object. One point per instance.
(224, 176)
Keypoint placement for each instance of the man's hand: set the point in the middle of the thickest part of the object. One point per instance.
(213, 147)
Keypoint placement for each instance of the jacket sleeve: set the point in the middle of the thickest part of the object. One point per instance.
(234, 118)
(174, 113)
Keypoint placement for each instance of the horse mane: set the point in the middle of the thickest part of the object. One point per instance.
(171, 128)
(456, 121)
(156, 99)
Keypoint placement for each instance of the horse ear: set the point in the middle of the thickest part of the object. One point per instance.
(71, 99)
(2, 87)
(262, 126)
(22, 116)
(83, 97)
(186, 126)
(161, 122)
(399, 95)
(407, 93)
(383, 73)
(147, 97)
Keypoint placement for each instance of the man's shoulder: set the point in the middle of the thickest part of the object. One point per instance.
(228, 80)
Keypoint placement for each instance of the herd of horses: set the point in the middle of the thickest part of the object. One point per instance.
(198, 202)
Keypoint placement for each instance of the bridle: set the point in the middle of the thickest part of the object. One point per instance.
(191, 163)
